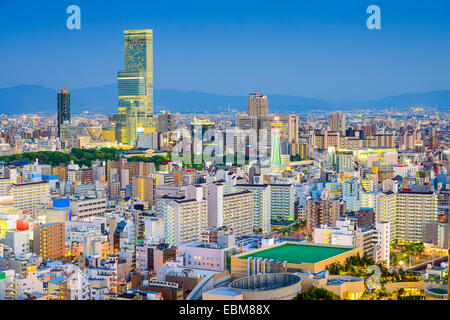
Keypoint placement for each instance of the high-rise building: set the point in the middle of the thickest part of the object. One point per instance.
(437, 234)
(165, 122)
(408, 212)
(282, 201)
(185, 218)
(258, 105)
(123, 168)
(142, 188)
(135, 87)
(321, 212)
(344, 161)
(233, 210)
(337, 122)
(48, 240)
(63, 108)
(261, 205)
(28, 196)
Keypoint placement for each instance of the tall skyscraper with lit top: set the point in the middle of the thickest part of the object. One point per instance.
(275, 149)
(135, 87)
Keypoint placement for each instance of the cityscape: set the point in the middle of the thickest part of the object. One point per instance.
(231, 204)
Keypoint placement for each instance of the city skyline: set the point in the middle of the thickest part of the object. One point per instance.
(132, 192)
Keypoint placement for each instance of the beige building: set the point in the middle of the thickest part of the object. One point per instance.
(238, 212)
(4, 186)
(257, 105)
(408, 212)
(28, 196)
(337, 122)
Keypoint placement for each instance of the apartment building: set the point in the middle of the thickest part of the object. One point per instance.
(437, 234)
(49, 240)
(261, 205)
(150, 257)
(281, 201)
(184, 218)
(4, 186)
(408, 212)
(233, 210)
(374, 241)
(28, 196)
(321, 212)
(143, 189)
(134, 169)
(84, 208)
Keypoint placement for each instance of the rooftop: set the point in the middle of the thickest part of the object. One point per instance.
(298, 253)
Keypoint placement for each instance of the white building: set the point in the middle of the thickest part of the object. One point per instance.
(85, 208)
(19, 241)
(407, 170)
(408, 213)
(374, 242)
(184, 218)
(261, 205)
(233, 210)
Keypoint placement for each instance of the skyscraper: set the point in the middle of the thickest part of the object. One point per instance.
(63, 108)
(135, 87)
(165, 121)
(337, 122)
(258, 105)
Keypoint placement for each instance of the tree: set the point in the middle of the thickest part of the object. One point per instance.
(394, 258)
(315, 293)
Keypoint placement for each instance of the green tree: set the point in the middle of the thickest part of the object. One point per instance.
(315, 293)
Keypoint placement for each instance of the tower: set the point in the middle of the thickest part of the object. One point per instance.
(275, 149)
(63, 108)
(135, 87)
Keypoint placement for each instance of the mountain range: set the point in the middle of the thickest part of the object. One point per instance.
(25, 99)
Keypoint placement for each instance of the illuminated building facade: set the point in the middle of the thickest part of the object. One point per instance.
(275, 152)
(135, 87)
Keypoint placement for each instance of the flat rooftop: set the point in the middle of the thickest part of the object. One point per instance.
(297, 253)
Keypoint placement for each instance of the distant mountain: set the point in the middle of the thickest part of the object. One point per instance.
(428, 99)
(33, 99)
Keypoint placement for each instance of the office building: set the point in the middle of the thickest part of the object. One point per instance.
(258, 105)
(63, 109)
(135, 87)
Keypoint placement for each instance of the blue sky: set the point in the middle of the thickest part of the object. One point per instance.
(319, 49)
